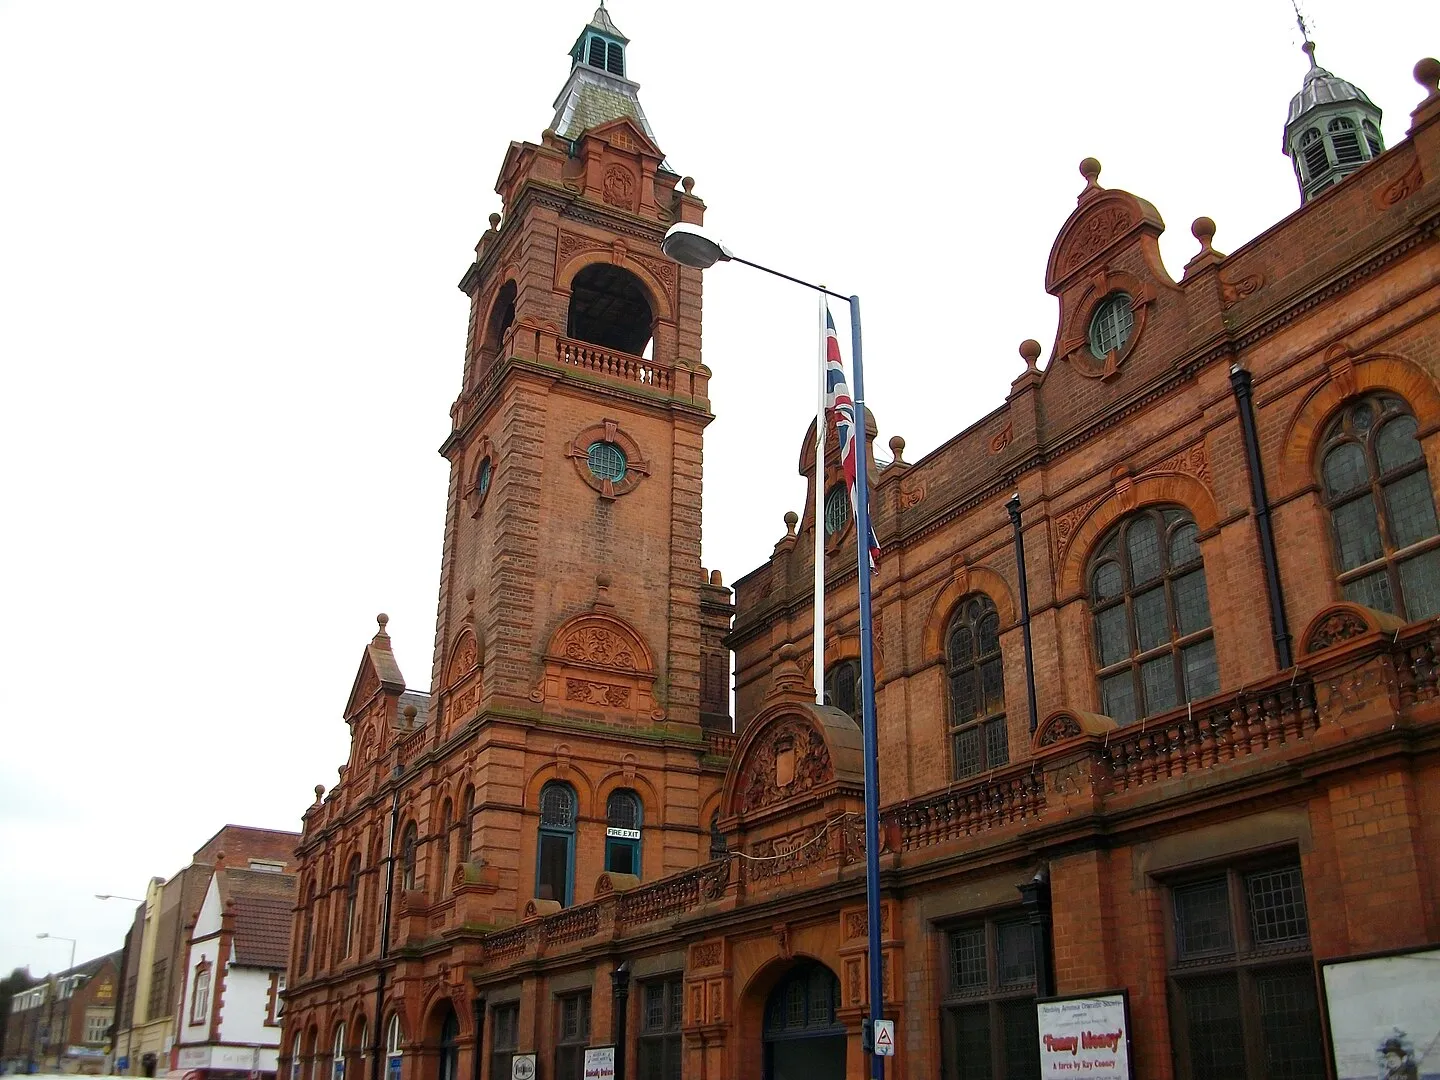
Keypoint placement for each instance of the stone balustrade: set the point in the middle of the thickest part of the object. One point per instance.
(615, 365)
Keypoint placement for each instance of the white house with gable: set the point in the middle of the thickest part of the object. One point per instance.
(229, 1022)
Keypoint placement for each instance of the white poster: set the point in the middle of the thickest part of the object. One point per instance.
(1084, 1036)
(600, 1063)
(1385, 1016)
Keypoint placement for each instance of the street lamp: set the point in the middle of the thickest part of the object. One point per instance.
(689, 246)
(60, 1056)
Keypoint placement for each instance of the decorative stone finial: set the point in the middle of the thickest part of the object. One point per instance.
(602, 590)
(791, 520)
(897, 449)
(789, 679)
(220, 857)
(1203, 229)
(1309, 50)
(1030, 348)
(319, 793)
(1427, 74)
(688, 183)
(495, 222)
(1090, 170)
(410, 715)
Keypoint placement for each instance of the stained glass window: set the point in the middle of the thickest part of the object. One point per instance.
(1376, 485)
(1153, 644)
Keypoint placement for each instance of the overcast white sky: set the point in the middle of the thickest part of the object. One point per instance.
(230, 333)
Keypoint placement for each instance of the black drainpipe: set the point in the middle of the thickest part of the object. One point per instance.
(1240, 384)
(1013, 507)
(1035, 898)
(479, 1006)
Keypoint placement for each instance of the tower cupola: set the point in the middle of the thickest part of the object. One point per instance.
(1333, 129)
(598, 90)
(601, 45)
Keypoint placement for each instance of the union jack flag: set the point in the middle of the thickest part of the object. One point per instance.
(841, 406)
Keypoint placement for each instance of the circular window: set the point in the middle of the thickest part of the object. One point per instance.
(606, 461)
(482, 479)
(1112, 324)
(837, 509)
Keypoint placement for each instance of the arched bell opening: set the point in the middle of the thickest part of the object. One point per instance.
(609, 307)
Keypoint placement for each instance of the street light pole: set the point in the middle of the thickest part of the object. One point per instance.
(59, 1057)
(688, 245)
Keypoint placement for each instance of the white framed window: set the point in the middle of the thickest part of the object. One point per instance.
(95, 1028)
(392, 1049)
(337, 1058)
(295, 1059)
(200, 994)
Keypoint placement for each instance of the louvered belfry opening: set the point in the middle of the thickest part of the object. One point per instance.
(609, 308)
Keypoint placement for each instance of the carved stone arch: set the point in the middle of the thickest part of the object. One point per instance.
(791, 751)
(509, 274)
(638, 783)
(437, 996)
(965, 581)
(1349, 377)
(1336, 624)
(618, 254)
(597, 665)
(583, 786)
(1180, 489)
(1066, 724)
(465, 658)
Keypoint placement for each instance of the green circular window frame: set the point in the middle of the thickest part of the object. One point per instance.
(837, 510)
(607, 461)
(483, 477)
(1118, 308)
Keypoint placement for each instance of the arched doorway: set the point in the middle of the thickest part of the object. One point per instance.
(803, 1040)
(449, 1045)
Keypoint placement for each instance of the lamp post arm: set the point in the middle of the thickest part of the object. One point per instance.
(787, 277)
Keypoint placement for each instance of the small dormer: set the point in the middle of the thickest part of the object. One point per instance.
(601, 45)
(1333, 129)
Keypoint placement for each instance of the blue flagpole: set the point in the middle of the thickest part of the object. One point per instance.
(867, 699)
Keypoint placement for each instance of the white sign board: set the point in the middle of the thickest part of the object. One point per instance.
(1085, 1036)
(623, 834)
(884, 1038)
(599, 1063)
(522, 1067)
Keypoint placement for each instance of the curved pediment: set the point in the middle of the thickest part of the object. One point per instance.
(1339, 623)
(1067, 724)
(1103, 219)
(791, 751)
(597, 665)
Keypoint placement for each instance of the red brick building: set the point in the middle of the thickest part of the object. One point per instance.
(1226, 775)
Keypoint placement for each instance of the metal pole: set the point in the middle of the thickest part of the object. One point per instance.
(867, 697)
(620, 980)
(818, 631)
(1013, 507)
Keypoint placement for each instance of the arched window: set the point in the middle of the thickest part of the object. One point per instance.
(622, 832)
(1382, 508)
(1153, 643)
(466, 824)
(307, 933)
(1372, 139)
(842, 689)
(615, 59)
(1345, 141)
(337, 1057)
(447, 818)
(978, 737)
(837, 509)
(609, 307)
(352, 904)
(449, 1046)
(393, 1041)
(1112, 324)
(408, 841)
(718, 848)
(295, 1059)
(359, 1049)
(804, 1004)
(597, 53)
(1313, 155)
(555, 862)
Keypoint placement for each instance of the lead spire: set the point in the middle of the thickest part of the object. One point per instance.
(598, 89)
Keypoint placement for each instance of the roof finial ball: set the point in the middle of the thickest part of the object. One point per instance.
(688, 183)
(897, 449)
(1030, 353)
(1203, 229)
(1427, 74)
(791, 520)
(495, 222)
(382, 619)
(319, 792)
(1090, 170)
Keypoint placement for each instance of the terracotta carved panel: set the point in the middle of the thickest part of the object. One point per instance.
(1094, 234)
(788, 760)
(618, 187)
(600, 646)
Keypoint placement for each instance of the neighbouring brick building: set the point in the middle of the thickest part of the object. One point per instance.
(1227, 773)
(63, 1024)
(160, 938)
